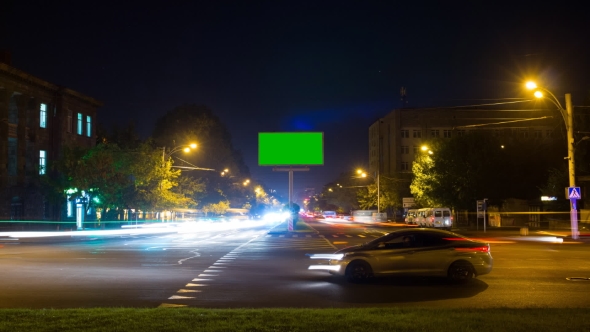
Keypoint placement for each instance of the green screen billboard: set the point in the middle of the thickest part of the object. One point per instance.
(291, 149)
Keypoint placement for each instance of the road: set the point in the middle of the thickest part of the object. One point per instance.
(254, 267)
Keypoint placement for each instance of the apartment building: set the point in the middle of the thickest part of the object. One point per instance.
(38, 119)
(396, 138)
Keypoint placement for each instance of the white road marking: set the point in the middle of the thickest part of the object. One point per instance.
(208, 275)
(201, 279)
(188, 291)
(195, 285)
(178, 297)
(209, 271)
(216, 267)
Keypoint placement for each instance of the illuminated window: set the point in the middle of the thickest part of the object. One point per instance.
(405, 133)
(447, 133)
(43, 115)
(42, 161)
(79, 124)
(88, 125)
(417, 134)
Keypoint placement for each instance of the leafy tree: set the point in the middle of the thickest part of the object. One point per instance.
(478, 165)
(216, 208)
(197, 123)
(388, 195)
(154, 181)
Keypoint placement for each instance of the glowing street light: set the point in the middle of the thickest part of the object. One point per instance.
(568, 118)
(363, 174)
(186, 148)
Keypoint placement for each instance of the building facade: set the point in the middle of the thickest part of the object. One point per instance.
(37, 119)
(395, 140)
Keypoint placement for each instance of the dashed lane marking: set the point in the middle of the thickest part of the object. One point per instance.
(178, 297)
(188, 291)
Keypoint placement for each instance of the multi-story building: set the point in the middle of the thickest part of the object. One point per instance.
(395, 139)
(37, 119)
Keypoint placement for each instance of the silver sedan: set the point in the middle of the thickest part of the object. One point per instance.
(411, 252)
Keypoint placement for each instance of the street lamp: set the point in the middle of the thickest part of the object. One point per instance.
(568, 118)
(364, 175)
(186, 148)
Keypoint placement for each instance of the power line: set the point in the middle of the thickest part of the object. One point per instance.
(503, 122)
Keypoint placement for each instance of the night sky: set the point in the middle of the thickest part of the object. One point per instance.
(330, 66)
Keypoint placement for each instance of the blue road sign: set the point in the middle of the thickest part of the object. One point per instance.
(574, 193)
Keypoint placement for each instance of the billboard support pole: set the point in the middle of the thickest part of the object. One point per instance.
(290, 170)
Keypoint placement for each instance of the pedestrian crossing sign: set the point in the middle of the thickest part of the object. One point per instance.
(574, 193)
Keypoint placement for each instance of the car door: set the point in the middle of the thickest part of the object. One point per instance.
(429, 254)
(390, 256)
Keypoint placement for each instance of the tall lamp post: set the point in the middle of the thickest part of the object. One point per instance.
(364, 175)
(568, 118)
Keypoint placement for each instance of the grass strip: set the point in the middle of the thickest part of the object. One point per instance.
(305, 320)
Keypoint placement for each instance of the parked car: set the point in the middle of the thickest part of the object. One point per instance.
(411, 252)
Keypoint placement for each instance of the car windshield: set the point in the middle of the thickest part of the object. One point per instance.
(390, 236)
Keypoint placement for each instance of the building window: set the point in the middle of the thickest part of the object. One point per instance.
(447, 133)
(417, 134)
(405, 149)
(405, 166)
(88, 126)
(42, 161)
(538, 134)
(460, 133)
(405, 133)
(69, 122)
(79, 125)
(416, 149)
(523, 133)
(549, 133)
(43, 115)
(435, 133)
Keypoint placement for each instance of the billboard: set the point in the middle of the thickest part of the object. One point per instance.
(291, 149)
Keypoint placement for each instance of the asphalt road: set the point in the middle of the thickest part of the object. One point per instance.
(251, 267)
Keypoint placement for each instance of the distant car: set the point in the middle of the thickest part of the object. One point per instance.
(330, 214)
(344, 216)
(411, 252)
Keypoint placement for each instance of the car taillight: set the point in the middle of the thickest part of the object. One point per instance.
(431, 219)
(484, 249)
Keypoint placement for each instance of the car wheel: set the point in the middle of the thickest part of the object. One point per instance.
(358, 271)
(460, 271)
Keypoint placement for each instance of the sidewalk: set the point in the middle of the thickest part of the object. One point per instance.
(520, 232)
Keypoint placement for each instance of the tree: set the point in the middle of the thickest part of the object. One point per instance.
(466, 168)
(197, 123)
(388, 192)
